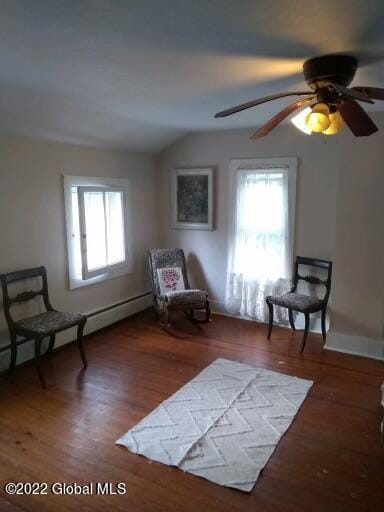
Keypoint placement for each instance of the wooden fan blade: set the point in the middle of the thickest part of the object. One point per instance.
(373, 92)
(259, 101)
(356, 118)
(350, 93)
(275, 120)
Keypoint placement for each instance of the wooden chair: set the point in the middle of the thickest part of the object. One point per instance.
(40, 326)
(187, 300)
(305, 304)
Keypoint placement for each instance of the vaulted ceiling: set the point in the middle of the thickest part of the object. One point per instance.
(141, 73)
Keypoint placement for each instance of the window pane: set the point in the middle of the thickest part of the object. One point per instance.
(260, 192)
(114, 205)
(262, 216)
(76, 234)
(95, 229)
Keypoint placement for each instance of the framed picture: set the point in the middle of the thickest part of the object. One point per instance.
(192, 198)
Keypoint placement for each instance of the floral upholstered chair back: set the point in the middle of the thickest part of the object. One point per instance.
(168, 270)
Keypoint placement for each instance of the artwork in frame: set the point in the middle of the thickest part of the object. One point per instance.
(192, 198)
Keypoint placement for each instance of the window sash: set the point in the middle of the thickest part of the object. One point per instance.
(88, 273)
(246, 182)
(259, 233)
(243, 167)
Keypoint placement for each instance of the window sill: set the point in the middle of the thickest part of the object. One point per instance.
(79, 283)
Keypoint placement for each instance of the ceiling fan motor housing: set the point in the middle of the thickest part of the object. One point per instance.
(339, 69)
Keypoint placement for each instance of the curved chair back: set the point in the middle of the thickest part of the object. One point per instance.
(166, 258)
(316, 263)
(23, 275)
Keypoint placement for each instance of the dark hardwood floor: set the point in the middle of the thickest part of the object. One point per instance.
(331, 458)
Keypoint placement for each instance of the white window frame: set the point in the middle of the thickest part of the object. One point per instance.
(263, 164)
(86, 183)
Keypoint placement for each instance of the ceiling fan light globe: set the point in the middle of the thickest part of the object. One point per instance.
(336, 125)
(318, 120)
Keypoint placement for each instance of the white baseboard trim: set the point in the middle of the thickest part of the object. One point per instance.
(118, 311)
(218, 308)
(96, 320)
(355, 345)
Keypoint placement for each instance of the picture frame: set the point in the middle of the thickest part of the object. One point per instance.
(192, 198)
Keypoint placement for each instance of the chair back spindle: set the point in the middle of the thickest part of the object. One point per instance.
(311, 279)
(24, 275)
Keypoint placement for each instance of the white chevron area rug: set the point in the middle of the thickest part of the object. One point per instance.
(223, 425)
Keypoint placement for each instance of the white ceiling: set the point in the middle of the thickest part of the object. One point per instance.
(141, 73)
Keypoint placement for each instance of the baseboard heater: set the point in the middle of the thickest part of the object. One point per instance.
(97, 320)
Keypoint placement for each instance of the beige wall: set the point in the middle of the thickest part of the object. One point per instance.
(339, 215)
(32, 225)
(358, 284)
(315, 198)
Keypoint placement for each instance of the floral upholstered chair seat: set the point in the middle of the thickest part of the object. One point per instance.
(185, 297)
(49, 322)
(297, 302)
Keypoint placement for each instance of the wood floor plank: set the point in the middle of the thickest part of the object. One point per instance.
(331, 459)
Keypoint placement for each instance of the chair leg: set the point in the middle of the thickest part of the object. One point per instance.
(207, 312)
(323, 321)
(80, 329)
(38, 342)
(165, 316)
(291, 320)
(270, 308)
(189, 314)
(51, 344)
(159, 314)
(306, 329)
(382, 430)
(13, 359)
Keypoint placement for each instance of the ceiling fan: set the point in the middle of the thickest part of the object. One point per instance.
(329, 103)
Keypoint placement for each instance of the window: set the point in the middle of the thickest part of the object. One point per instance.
(261, 231)
(98, 229)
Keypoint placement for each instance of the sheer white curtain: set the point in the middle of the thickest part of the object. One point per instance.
(260, 259)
